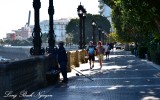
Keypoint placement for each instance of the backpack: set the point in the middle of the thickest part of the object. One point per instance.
(91, 50)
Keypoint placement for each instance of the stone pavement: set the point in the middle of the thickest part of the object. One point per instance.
(123, 77)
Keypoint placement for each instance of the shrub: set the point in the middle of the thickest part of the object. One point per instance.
(142, 50)
(132, 50)
(149, 55)
(157, 57)
(154, 51)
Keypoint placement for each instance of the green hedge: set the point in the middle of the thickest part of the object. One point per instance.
(132, 50)
(155, 55)
(149, 55)
(142, 50)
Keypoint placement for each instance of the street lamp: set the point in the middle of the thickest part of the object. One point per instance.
(107, 37)
(103, 37)
(94, 26)
(80, 14)
(67, 42)
(84, 17)
(70, 37)
(99, 35)
(37, 34)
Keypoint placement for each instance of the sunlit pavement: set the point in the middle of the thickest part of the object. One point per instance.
(123, 77)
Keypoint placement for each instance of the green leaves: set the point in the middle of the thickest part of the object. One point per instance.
(135, 19)
(73, 27)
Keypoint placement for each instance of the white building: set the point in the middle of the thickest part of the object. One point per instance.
(104, 10)
(44, 25)
(59, 28)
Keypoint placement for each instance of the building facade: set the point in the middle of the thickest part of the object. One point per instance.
(11, 36)
(20, 34)
(104, 10)
(23, 33)
(26, 32)
(59, 28)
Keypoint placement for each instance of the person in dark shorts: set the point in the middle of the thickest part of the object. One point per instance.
(91, 54)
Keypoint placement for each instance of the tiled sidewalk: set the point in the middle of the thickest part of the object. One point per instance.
(123, 77)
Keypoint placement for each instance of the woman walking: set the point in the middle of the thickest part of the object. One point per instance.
(100, 53)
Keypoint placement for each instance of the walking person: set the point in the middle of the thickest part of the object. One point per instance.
(62, 60)
(100, 53)
(136, 50)
(107, 50)
(91, 54)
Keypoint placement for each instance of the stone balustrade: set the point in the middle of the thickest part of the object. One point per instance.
(30, 74)
(75, 58)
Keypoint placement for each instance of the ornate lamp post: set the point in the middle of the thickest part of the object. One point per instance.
(84, 17)
(99, 34)
(37, 49)
(51, 35)
(94, 27)
(70, 40)
(80, 14)
(104, 36)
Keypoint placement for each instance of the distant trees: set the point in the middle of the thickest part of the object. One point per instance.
(73, 27)
(18, 42)
(1, 41)
(27, 42)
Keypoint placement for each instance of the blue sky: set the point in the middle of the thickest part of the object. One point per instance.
(14, 13)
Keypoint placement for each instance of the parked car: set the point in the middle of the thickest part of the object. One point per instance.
(119, 46)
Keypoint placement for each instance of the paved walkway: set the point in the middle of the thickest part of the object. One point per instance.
(123, 77)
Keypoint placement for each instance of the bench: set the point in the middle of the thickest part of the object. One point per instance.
(52, 76)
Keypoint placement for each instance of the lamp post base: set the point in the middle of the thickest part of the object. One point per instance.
(52, 50)
(37, 51)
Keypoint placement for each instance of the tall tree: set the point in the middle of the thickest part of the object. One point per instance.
(136, 20)
(73, 27)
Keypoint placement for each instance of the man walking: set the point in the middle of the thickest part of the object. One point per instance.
(91, 53)
(107, 50)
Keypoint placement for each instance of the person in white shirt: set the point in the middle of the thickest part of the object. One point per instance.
(107, 50)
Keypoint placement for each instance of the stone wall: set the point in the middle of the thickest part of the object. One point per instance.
(30, 74)
(75, 58)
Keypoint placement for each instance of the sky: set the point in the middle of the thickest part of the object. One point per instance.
(14, 13)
